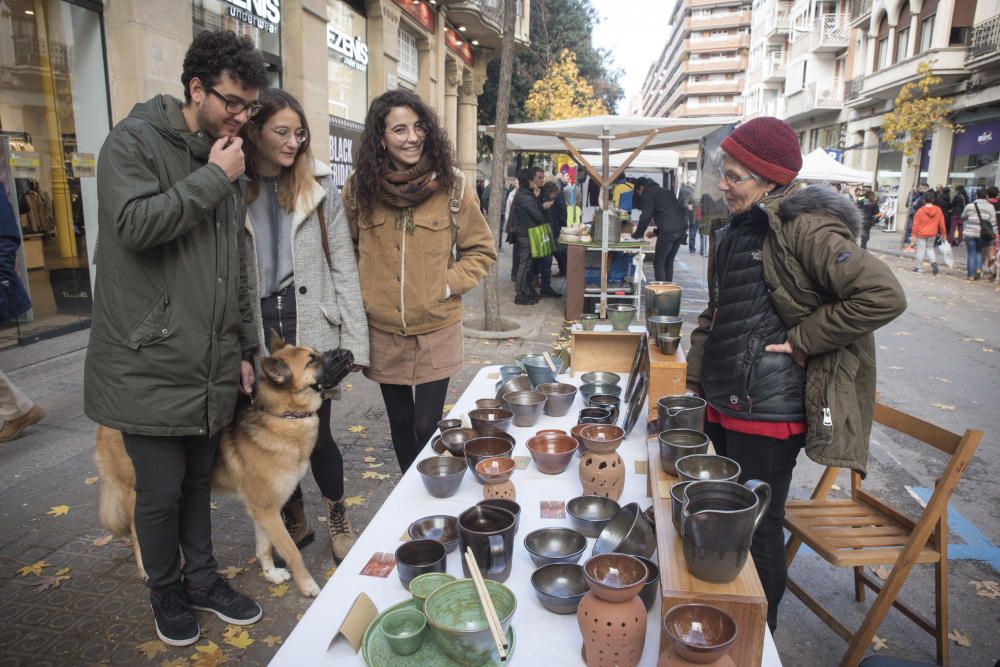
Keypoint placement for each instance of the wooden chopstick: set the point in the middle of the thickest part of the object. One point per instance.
(548, 360)
(499, 638)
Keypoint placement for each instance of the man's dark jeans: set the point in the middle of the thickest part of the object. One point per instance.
(663, 257)
(524, 265)
(771, 461)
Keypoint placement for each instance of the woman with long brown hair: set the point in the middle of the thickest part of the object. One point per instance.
(422, 243)
(306, 277)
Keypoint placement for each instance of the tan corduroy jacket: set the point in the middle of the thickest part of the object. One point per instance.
(412, 282)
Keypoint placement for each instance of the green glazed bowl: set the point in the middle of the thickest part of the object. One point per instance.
(404, 630)
(458, 623)
(421, 587)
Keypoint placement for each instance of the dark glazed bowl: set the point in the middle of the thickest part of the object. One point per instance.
(489, 447)
(441, 475)
(439, 527)
(560, 397)
(600, 377)
(701, 633)
(668, 343)
(454, 440)
(552, 453)
(590, 388)
(590, 514)
(448, 424)
(505, 504)
(609, 402)
(526, 405)
(591, 415)
(554, 545)
(560, 586)
(615, 577)
(489, 403)
(601, 438)
(491, 421)
(516, 383)
(650, 589)
(676, 503)
(698, 467)
(677, 443)
(627, 533)
(419, 557)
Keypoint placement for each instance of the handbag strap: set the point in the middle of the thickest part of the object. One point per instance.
(324, 241)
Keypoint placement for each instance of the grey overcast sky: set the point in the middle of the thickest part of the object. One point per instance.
(634, 31)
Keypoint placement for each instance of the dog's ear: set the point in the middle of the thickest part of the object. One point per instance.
(276, 370)
(277, 342)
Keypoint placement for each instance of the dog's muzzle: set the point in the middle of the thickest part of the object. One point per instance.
(336, 365)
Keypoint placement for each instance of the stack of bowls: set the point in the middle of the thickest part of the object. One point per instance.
(610, 402)
(591, 415)
(510, 371)
(489, 447)
(589, 389)
(539, 372)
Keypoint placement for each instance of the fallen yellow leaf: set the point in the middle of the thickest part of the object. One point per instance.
(208, 656)
(241, 640)
(104, 539)
(91, 480)
(61, 571)
(35, 568)
(960, 638)
(50, 581)
(176, 662)
(348, 387)
(152, 648)
(369, 449)
(231, 571)
(375, 465)
(987, 589)
(58, 510)
(231, 631)
(448, 407)
(354, 500)
(369, 474)
(942, 406)
(370, 459)
(878, 643)
(357, 428)
(945, 380)
(328, 574)
(214, 505)
(272, 640)
(279, 590)
(988, 349)
(902, 333)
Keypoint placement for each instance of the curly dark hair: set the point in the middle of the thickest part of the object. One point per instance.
(213, 52)
(372, 158)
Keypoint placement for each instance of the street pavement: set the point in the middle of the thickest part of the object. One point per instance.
(83, 604)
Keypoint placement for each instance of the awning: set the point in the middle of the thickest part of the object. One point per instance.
(820, 166)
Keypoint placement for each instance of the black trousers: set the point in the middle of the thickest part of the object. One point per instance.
(663, 257)
(173, 515)
(326, 461)
(524, 265)
(413, 415)
(771, 461)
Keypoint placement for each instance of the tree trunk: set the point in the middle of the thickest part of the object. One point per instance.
(491, 296)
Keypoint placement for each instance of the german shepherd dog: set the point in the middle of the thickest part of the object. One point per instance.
(262, 455)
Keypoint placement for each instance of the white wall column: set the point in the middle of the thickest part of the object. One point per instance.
(451, 82)
(466, 143)
(940, 161)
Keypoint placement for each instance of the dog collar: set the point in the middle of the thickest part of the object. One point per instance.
(283, 415)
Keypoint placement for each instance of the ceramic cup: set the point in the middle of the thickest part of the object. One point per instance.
(404, 630)
(489, 531)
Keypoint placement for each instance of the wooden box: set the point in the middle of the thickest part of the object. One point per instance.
(667, 374)
(742, 598)
(604, 350)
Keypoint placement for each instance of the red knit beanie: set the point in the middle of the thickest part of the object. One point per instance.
(768, 147)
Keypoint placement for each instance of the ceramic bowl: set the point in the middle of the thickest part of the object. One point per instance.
(490, 422)
(487, 447)
(516, 383)
(494, 471)
(650, 516)
(575, 432)
(441, 475)
(600, 377)
(510, 371)
(610, 402)
(439, 527)
(697, 467)
(418, 557)
(590, 514)
(668, 343)
(560, 586)
(489, 403)
(677, 443)
(539, 372)
(560, 397)
(649, 590)
(422, 586)
(627, 533)
(615, 577)
(526, 405)
(676, 504)
(588, 389)
(458, 623)
(663, 324)
(701, 633)
(505, 504)
(404, 630)
(448, 424)
(554, 545)
(620, 315)
(520, 357)
(591, 415)
(601, 438)
(552, 453)
(588, 321)
(454, 440)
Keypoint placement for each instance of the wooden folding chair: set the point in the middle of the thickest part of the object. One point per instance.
(863, 531)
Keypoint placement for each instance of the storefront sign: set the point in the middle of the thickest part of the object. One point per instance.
(458, 45)
(262, 14)
(419, 10)
(25, 164)
(83, 164)
(353, 52)
(344, 138)
(978, 138)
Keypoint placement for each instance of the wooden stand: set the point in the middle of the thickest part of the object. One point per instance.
(667, 374)
(742, 598)
(604, 351)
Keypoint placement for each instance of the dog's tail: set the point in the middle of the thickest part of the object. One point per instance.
(115, 487)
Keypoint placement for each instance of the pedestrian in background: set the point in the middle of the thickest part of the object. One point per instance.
(989, 236)
(783, 373)
(868, 206)
(663, 216)
(928, 225)
(17, 411)
(959, 200)
(973, 217)
(422, 243)
(526, 212)
(305, 280)
(686, 199)
(172, 331)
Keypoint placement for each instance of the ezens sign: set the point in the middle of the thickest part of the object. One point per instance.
(262, 14)
(354, 52)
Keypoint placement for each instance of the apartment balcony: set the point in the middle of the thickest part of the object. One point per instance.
(775, 108)
(861, 13)
(28, 53)
(830, 34)
(731, 20)
(712, 45)
(815, 98)
(777, 24)
(483, 21)
(726, 87)
(696, 4)
(716, 66)
(700, 110)
(774, 67)
(854, 91)
(947, 63)
(984, 44)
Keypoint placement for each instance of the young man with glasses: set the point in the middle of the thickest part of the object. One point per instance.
(172, 328)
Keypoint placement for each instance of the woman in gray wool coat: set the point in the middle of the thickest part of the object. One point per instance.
(308, 289)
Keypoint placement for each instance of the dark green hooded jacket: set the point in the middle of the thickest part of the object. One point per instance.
(171, 305)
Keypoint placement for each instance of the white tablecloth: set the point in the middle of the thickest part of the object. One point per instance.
(542, 638)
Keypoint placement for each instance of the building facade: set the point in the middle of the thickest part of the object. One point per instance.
(70, 69)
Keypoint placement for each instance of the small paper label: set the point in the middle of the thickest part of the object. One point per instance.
(405, 537)
(521, 462)
(642, 467)
(553, 509)
(379, 565)
(493, 375)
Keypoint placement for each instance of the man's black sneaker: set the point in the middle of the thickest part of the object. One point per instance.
(934, 268)
(224, 602)
(525, 301)
(550, 292)
(175, 624)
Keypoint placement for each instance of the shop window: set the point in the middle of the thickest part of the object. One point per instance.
(926, 33)
(409, 64)
(261, 22)
(347, 50)
(54, 118)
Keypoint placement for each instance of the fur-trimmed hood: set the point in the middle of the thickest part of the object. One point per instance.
(819, 200)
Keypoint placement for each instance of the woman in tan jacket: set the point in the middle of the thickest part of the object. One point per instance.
(422, 243)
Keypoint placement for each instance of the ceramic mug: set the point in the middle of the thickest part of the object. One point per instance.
(489, 531)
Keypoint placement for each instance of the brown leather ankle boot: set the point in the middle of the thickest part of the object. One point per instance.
(339, 523)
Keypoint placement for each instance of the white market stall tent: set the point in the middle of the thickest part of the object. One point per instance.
(820, 166)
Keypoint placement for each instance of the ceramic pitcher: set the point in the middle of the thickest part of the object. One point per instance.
(718, 520)
(662, 298)
(489, 531)
(680, 412)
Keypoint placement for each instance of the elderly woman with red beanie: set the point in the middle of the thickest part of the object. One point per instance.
(784, 354)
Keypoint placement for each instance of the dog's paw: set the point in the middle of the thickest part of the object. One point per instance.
(310, 588)
(277, 575)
